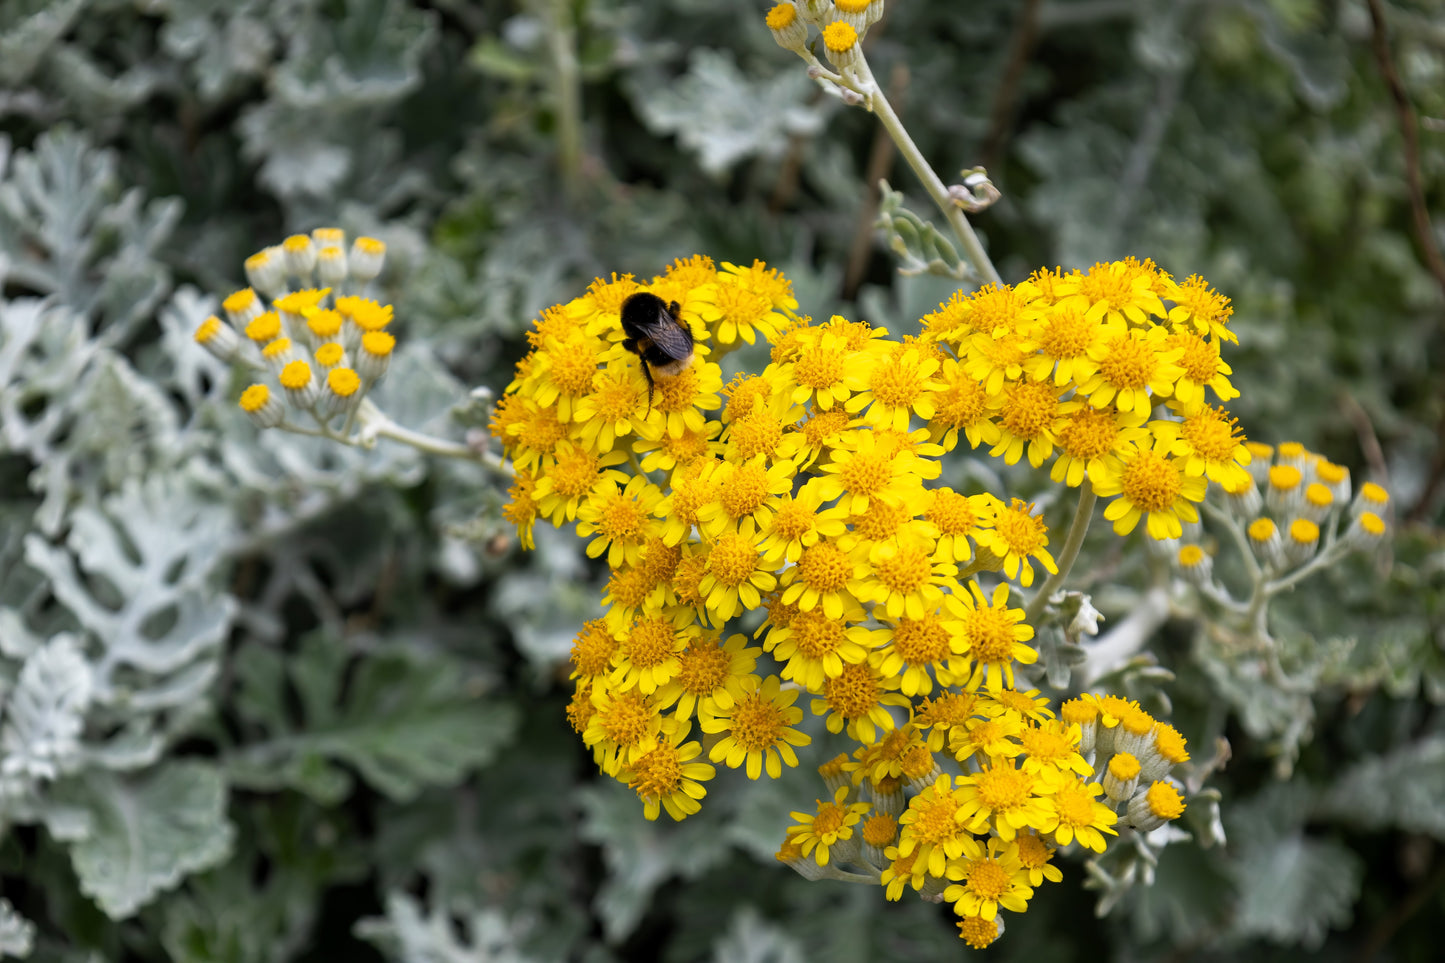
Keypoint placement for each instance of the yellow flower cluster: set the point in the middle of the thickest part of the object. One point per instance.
(1070, 366)
(809, 491)
(324, 345)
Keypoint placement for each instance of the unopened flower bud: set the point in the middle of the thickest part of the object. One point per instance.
(1261, 458)
(262, 407)
(788, 27)
(331, 265)
(1284, 493)
(1301, 539)
(1194, 564)
(1121, 777)
(339, 392)
(367, 257)
(1265, 539)
(301, 388)
(1155, 806)
(374, 355)
(217, 338)
(278, 354)
(300, 257)
(840, 42)
(1366, 530)
(242, 307)
(266, 271)
(1372, 498)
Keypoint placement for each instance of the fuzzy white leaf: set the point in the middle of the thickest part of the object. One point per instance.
(46, 712)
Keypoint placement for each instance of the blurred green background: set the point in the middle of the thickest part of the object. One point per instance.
(350, 742)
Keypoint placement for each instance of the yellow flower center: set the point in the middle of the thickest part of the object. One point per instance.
(963, 403)
(758, 433)
(704, 668)
(1002, 788)
(688, 578)
(1171, 744)
(922, 641)
(657, 773)
(609, 295)
(1032, 851)
(991, 632)
(651, 643)
(1130, 363)
(854, 693)
(897, 382)
(781, 16)
(574, 365)
(1045, 745)
(880, 830)
(1079, 711)
(757, 723)
(865, 473)
(1074, 805)
(677, 393)
(951, 512)
(825, 567)
(593, 648)
(732, 560)
(793, 520)
(542, 430)
(978, 932)
(1204, 305)
(819, 367)
(623, 518)
(949, 709)
(687, 499)
(1024, 532)
(614, 398)
(1066, 334)
(628, 589)
(824, 427)
(934, 817)
(1089, 433)
(1212, 434)
(995, 308)
(626, 721)
(830, 818)
(686, 446)
(917, 762)
(879, 522)
(1165, 801)
(1030, 409)
(903, 571)
(816, 634)
(739, 305)
(296, 375)
(745, 490)
(839, 36)
(1201, 358)
(1152, 482)
(986, 878)
(254, 398)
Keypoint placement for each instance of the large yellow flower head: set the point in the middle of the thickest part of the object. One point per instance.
(806, 497)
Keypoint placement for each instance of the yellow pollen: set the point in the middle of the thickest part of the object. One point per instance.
(626, 720)
(781, 16)
(1002, 788)
(296, 375)
(1130, 363)
(745, 491)
(922, 641)
(622, 518)
(593, 648)
(615, 397)
(573, 365)
(986, 878)
(208, 329)
(1089, 433)
(904, 571)
(254, 398)
(657, 773)
(951, 512)
(1030, 409)
(816, 634)
(1212, 434)
(991, 632)
(343, 381)
(265, 328)
(865, 473)
(1152, 482)
(793, 520)
(962, 404)
(651, 643)
(854, 693)
(239, 300)
(1067, 334)
(575, 473)
(825, 567)
(1074, 805)
(896, 382)
(819, 367)
(1165, 801)
(329, 354)
(677, 393)
(628, 588)
(704, 668)
(732, 560)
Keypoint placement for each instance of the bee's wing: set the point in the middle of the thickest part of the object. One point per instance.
(671, 336)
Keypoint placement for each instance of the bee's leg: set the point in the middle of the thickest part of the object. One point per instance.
(647, 373)
(630, 344)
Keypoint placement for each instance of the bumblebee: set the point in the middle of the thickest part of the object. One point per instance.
(658, 336)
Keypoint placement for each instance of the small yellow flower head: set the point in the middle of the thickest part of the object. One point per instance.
(266, 271)
(854, 13)
(375, 354)
(788, 28)
(1155, 806)
(1372, 498)
(328, 237)
(242, 307)
(329, 355)
(300, 255)
(840, 41)
(264, 328)
(1265, 540)
(279, 353)
(1285, 493)
(367, 257)
(331, 264)
(1301, 541)
(218, 338)
(301, 388)
(262, 407)
(668, 778)
(1194, 563)
(1366, 530)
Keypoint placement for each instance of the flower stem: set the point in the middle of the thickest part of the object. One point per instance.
(973, 248)
(1083, 514)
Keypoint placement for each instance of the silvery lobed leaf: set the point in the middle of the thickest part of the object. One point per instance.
(45, 714)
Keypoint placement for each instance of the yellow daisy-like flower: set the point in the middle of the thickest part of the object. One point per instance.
(797, 523)
(965, 405)
(759, 729)
(857, 699)
(902, 871)
(1200, 308)
(1202, 368)
(667, 777)
(709, 672)
(665, 452)
(957, 518)
(825, 372)
(1065, 337)
(571, 477)
(648, 656)
(1091, 440)
(903, 575)
(1027, 419)
(863, 471)
(1211, 445)
(1135, 368)
(1077, 814)
(989, 879)
(623, 727)
(931, 832)
(1153, 485)
(737, 573)
(616, 407)
(996, 635)
(1123, 291)
(1035, 855)
(744, 492)
(900, 385)
(1005, 799)
(1015, 535)
(814, 648)
(621, 518)
(522, 510)
(823, 577)
(834, 821)
(917, 645)
(679, 402)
